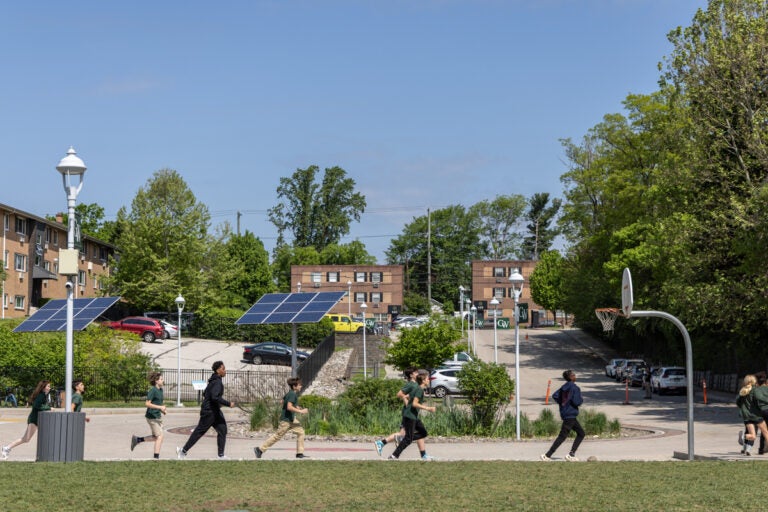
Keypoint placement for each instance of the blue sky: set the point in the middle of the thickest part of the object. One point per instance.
(425, 104)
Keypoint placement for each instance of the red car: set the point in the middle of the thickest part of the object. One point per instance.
(148, 328)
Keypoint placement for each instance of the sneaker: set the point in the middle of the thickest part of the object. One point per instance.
(379, 446)
(301, 456)
(392, 457)
(258, 452)
(427, 458)
(223, 457)
(742, 451)
(398, 438)
(571, 458)
(5, 452)
(134, 442)
(180, 453)
(544, 457)
(741, 437)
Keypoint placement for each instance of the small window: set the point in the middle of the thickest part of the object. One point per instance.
(47, 235)
(498, 271)
(5, 301)
(21, 226)
(47, 265)
(5, 259)
(55, 267)
(315, 277)
(498, 293)
(359, 277)
(360, 297)
(55, 238)
(20, 262)
(18, 302)
(376, 297)
(81, 277)
(6, 227)
(376, 277)
(332, 277)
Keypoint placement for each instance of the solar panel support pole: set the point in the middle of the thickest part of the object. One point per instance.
(294, 342)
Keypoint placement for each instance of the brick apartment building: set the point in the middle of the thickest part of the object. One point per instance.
(490, 278)
(30, 257)
(380, 287)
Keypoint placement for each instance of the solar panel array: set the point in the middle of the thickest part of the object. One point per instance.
(52, 317)
(290, 308)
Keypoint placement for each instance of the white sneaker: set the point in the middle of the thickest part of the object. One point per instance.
(741, 438)
(5, 452)
(544, 457)
(180, 453)
(571, 458)
(223, 457)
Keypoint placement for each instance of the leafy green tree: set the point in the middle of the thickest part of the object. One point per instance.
(499, 219)
(540, 217)
(546, 281)
(415, 304)
(163, 243)
(285, 256)
(488, 387)
(317, 214)
(353, 253)
(254, 276)
(425, 346)
(455, 241)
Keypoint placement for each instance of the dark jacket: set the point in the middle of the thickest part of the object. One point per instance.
(748, 408)
(212, 396)
(568, 397)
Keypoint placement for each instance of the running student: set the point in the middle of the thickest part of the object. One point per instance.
(569, 399)
(402, 394)
(288, 421)
(39, 400)
(751, 415)
(154, 414)
(414, 428)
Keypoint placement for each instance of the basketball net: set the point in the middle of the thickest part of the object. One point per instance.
(607, 317)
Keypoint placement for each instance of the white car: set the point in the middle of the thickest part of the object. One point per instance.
(458, 359)
(610, 368)
(171, 331)
(443, 381)
(669, 379)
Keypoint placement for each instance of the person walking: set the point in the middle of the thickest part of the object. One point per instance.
(751, 415)
(569, 399)
(39, 401)
(761, 395)
(77, 397)
(154, 415)
(414, 428)
(288, 421)
(210, 413)
(402, 394)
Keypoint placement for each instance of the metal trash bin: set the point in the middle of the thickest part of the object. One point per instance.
(60, 436)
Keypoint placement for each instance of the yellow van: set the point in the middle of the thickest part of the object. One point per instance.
(342, 323)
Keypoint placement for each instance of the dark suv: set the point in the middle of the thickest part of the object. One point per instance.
(148, 328)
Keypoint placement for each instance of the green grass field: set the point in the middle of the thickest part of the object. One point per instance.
(381, 485)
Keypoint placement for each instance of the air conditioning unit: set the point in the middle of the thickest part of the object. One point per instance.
(316, 285)
(499, 280)
(46, 246)
(21, 276)
(375, 304)
(22, 239)
(90, 265)
(82, 257)
(375, 285)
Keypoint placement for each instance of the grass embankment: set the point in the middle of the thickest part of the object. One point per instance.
(381, 485)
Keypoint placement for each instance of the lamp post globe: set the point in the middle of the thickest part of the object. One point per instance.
(180, 307)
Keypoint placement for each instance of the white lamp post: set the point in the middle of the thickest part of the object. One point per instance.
(72, 171)
(461, 309)
(363, 307)
(495, 304)
(298, 287)
(474, 329)
(349, 299)
(468, 303)
(180, 306)
(517, 287)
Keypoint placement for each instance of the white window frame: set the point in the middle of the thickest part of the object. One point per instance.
(81, 277)
(359, 277)
(18, 302)
(315, 277)
(377, 277)
(21, 225)
(498, 292)
(20, 262)
(359, 297)
(333, 277)
(375, 297)
(7, 222)
(498, 271)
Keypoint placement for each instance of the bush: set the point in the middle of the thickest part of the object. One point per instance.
(380, 393)
(260, 413)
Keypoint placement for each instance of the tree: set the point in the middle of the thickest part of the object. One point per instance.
(353, 253)
(425, 346)
(255, 278)
(488, 387)
(164, 245)
(92, 221)
(285, 256)
(499, 221)
(317, 214)
(539, 217)
(546, 282)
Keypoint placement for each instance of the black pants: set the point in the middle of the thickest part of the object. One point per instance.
(208, 420)
(568, 425)
(414, 430)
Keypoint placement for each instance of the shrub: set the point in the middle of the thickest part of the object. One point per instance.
(260, 413)
(380, 393)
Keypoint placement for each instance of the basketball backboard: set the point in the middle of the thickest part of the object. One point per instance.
(627, 299)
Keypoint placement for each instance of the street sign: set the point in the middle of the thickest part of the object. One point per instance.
(503, 323)
(522, 313)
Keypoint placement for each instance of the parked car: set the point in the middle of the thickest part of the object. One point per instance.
(149, 329)
(343, 323)
(610, 368)
(669, 379)
(624, 368)
(271, 352)
(171, 331)
(458, 359)
(443, 381)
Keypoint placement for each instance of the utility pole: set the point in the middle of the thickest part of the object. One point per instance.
(429, 259)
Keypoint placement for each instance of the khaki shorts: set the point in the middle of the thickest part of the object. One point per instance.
(156, 426)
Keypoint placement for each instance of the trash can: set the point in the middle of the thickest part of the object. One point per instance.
(60, 436)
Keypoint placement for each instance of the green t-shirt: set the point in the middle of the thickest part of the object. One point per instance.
(411, 412)
(155, 396)
(293, 398)
(77, 400)
(407, 390)
(40, 404)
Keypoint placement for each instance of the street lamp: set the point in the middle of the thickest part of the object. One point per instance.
(461, 309)
(363, 307)
(495, 304)
(72, 171)
(517, 287)
(468, 302)
(180, 306)
(349, 299)
(474, 329)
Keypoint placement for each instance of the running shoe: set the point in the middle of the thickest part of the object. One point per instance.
(180, 453)
(545, 457)
(571, 458)
(134, 442)
(258, 452)
(379, 446)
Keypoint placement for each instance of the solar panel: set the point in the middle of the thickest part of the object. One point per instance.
(290, 308)
(52, 317)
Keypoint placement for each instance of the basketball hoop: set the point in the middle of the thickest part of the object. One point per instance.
(607, 317)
